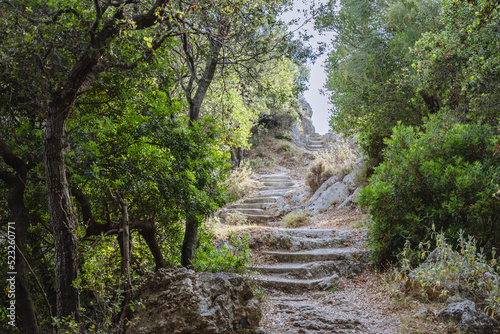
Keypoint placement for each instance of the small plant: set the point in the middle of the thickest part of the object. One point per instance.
(286, 148)
(233, 257)
(257, 289)
(297, 219)
(334, 288)
(235, 218)
(260, 163)
(241, 183)
(446, 270)
(284, 136)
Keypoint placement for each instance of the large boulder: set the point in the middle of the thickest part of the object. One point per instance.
(468, 318)
(351, 201)
(180, 301)
(331, 193)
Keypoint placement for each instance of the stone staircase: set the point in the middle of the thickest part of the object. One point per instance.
(312, 258)
(256, 208)
(315, 143)
(303, 278)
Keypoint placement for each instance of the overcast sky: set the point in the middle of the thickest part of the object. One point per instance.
(320, 104)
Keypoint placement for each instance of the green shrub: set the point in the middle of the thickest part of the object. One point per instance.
(296, 219)
(447, 175)
(233, 257)
(284, 136)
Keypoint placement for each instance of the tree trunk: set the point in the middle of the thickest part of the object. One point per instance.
(205, 81)
(26, 311)
(191, 233)
(16, 183)
(61, 214)
(189, 244)
(149, 238)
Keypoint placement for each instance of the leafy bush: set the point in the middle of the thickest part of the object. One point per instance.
(468, 269)
(284, 136)
(447, 174)
(296, 219)
(233, 256)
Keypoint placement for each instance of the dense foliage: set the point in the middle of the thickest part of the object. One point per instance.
(396, 63)
(443, 174)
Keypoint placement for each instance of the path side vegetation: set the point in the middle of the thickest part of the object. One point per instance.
(419, 81)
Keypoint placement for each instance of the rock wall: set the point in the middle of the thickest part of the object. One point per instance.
(180, 301)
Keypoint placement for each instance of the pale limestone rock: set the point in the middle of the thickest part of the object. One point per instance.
(180, 301)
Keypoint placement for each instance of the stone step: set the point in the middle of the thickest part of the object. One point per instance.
(278, 184)
(261, 199)
(321, 254)
(238, 206)
(275, 192)
(308, 232)
(310, 270)
(277, 178)
(259, 218)
(314, 146)
(292, 243)
(267, 188)
(247, 211)
(287, 284)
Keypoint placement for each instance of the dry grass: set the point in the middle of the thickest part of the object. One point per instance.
(272, 155)
(318, 173)
(243, 183)
(296, 219)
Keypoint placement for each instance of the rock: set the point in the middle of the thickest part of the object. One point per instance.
(469, 318)
(329, 282)
(351, 200)
(260, 330)
(299, 195)
(350, 179)
(422, 313)
(180, 301)
(332, 196)
(328, 183)
(304, 127)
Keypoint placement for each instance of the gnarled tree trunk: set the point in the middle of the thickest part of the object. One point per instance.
(61, 213)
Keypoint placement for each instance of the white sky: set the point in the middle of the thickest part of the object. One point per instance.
(320, 103)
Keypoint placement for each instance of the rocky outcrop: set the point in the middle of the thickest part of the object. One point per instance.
(468, 318)
(332, 193)
(304, 127)
(180, 301)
